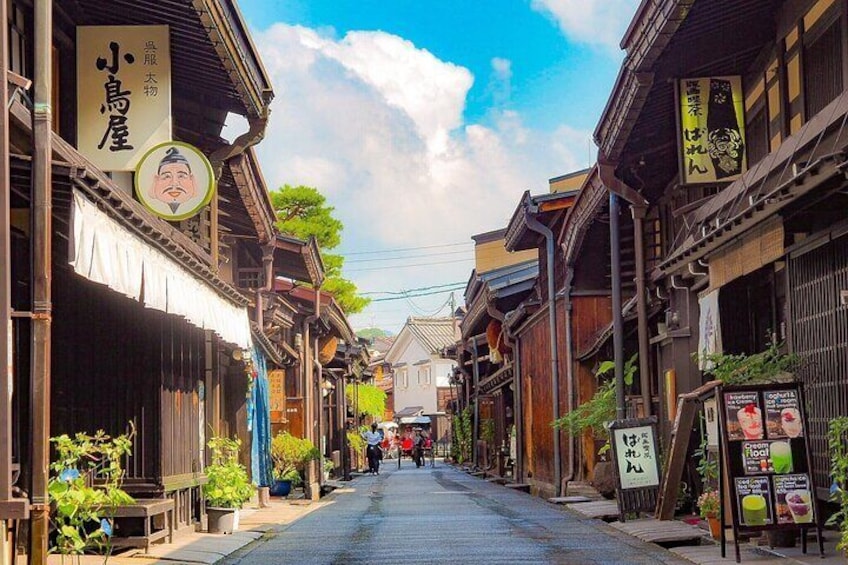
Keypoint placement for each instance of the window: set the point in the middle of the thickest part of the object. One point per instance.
(822, 69)
(17, 39)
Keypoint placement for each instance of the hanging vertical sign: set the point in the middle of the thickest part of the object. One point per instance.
(123, 93)
(711, 134)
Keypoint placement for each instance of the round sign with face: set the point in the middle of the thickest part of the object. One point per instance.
(174, 180)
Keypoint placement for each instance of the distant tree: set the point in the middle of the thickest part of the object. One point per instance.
(303, 212)
(371, 333)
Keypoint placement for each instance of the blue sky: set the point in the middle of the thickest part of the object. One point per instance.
(423, 122)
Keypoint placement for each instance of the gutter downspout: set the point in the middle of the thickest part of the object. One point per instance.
(569, 364)
(42, 230)
(475, 429)
(536, 226)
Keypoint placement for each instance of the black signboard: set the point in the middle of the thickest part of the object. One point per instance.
(765, 454)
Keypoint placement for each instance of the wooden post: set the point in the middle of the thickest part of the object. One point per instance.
(41, 277)
(642, 307)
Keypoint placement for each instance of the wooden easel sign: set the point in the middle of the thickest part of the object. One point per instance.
(634, 450)
(766, 458)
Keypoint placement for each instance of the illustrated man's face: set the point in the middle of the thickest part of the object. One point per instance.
(173, 185)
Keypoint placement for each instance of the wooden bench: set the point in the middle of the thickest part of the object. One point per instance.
(146, 509)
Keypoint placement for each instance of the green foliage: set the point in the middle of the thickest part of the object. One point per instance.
(371, 333)
(837, 443)
(85, 489)
(303, 212)
(290, 455)
(487, 430)
(598, 411)
(368, 399)
(707, 467)
(228, 483)
(357, 446)
(462, 436)
(767, 366)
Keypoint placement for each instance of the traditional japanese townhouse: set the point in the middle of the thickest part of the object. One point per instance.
(747, 202)
(332, 358)
(536, 326)
(120, 316)
(498, 284)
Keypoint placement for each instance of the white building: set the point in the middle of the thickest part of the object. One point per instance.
(420, 375)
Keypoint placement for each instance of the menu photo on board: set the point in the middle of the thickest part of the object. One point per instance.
(753, 499)
(794, 499)
(767, 457)
(783, 414)
(744, 415)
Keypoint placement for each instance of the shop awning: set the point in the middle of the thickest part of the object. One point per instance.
(103, 251)
(415, 420)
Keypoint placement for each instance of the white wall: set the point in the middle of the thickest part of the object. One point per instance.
(415, 394)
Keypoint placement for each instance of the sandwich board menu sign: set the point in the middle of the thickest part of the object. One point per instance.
(634, 449)
(767, 460)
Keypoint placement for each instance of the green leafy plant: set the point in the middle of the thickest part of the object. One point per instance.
(767, 366)
(598, 411)
(357, 446)
(368, 399)
(487, 430)
(707, 466)
(837, 443)
(228, 483)
(709, 503)
(462, 436)
(290, 455)
(85, 489)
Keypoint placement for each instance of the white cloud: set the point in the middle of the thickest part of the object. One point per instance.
(594, 22)
(377, 125)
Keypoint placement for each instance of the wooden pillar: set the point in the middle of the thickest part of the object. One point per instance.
(642, 307)
(41, 277)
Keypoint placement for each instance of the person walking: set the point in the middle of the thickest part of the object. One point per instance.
(419, 448)
(373, 439)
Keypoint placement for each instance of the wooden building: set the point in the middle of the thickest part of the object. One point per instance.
(117, 315)
(765, 243)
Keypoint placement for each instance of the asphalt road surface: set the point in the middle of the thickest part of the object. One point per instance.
(441, 515)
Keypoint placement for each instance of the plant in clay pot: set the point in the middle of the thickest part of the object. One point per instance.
(228, 486)
(290, 455)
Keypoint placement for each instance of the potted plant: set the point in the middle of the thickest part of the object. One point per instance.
(709, 505)
(290, 455)
(228, 486)
(85, 490)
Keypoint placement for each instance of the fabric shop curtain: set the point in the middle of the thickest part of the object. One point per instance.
(104, 252)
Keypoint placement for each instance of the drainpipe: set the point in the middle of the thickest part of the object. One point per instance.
(518, 469)
(475, 428)
(536, 226)
(569, 364)
(617, 321)
(639, 211)
(268, 266)
(42, 229)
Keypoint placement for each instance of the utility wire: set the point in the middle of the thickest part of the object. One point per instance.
(401, 258)
(387, 267)
(407, 248)
(407, 296)
(413, 289)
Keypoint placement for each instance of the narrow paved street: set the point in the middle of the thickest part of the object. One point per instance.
(442, 515)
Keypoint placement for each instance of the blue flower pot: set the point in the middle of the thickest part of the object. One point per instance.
(281, 488)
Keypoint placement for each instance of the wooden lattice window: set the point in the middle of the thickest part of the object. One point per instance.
(823, 69)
